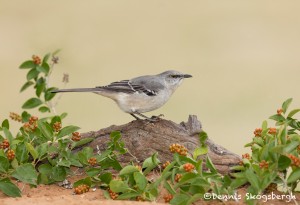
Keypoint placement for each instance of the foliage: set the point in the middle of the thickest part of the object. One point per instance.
(42, 152)
(275, 155)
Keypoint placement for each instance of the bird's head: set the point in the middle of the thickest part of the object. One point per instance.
(173, 78)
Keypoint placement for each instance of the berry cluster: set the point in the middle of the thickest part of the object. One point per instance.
(31, 125)
(246, 156)
(56, 126)
(76, 136)
(168, 198)
(272, 130)
(10, 154)
(178, 177)
(82, 188)
(165, 164)
(257, 132)
(16, 117)
(264, 164)
(188, 167)
(36, 60)
(279, 111)
(113, 195)
(180, 149)
(4, 144)
(295, 160)
(92, 161)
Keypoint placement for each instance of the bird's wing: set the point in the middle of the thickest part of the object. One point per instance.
(131, 86)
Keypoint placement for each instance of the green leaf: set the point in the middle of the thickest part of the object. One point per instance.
(283, 162)
(64, 163)
(46, 58)
(85, 154)
(45, 129)
(169, 188)
(8, 188)
(27, 64)
(294, 176)
(200, 151)
(33, 73)
(129, 195)
(44, 109)
(253, 179)
(5, 123)
(293, 112)
(26, 85)
(58, 173)
(93, 172)
(32, 103)
(21, 153)
(56, 52)
(291, 146)
(55, 119)
(106, 177)
(67, 130)
(187, 177)
(202, 137)
(83, 142)
(86, 181)
(129, 169)
(150, 163)
(40, 86)
(238, 182)
(26, 173)
(140, 180)
(210, 165)
(118, 186)
(264, 125)
(32, 151)
(8, 135)
(4, 164)
(45, 169)
(286, 104)
(25, 116)
(195, 198)
(180, 199)
(277, 118)
(63, 115)
(48, 94)
(42, 149)
(43, 68)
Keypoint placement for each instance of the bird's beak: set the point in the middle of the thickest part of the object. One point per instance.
(187, 76)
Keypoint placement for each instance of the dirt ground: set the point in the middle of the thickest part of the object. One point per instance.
(56, 195)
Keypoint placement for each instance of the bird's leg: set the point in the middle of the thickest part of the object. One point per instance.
(147, 118)
(157, 117)
(134, 116)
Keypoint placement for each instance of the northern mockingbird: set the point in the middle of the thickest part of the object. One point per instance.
(141, 94)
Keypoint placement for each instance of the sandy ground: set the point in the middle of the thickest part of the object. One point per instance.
(56, 195)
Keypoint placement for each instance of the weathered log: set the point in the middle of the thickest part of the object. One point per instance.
(143, 138)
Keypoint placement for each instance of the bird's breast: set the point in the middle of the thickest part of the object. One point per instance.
(141, 103)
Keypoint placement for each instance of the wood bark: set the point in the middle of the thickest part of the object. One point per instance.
(143, 138)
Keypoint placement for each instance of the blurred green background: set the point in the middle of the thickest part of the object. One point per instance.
(244, 56)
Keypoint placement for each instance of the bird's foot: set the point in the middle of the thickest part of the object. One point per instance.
(152, 119)
(157, 118)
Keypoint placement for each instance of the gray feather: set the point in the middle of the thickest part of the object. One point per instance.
(77, 90)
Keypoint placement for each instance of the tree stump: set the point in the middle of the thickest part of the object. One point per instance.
(143, 138)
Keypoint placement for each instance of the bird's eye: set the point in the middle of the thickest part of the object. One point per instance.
(174, 76)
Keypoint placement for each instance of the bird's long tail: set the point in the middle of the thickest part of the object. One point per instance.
(77, 90)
